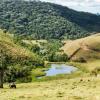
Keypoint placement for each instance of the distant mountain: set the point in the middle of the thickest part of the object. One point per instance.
(40, 20)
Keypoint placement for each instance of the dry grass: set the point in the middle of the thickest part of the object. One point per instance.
(65, 89)
(89, 66)
(12, 49)
(90, 47)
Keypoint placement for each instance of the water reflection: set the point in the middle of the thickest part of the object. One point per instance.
(60, 69)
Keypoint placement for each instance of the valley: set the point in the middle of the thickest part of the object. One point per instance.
(48, 52)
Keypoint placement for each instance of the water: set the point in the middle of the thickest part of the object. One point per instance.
(60, 69)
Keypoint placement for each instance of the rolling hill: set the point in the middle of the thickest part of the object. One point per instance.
(18, 53)
(84, 53)
(20, 60)
(40, 20)
(88, 48)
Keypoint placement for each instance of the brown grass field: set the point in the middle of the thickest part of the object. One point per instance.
(82, 88)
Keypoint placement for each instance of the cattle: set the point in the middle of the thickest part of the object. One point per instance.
(12, 85)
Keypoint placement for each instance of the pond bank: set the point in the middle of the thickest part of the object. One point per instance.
(55, 71)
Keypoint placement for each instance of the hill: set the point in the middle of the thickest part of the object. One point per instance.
(88, 48)
(85, 52)
(40, 20)
(20, 60)
(18, 53)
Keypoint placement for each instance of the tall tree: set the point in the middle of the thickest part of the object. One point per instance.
(3, 65)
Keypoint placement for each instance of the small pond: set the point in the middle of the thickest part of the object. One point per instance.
(56, 69)
(60, 69)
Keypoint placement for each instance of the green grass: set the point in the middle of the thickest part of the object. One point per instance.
(62, 76)
(38, 72)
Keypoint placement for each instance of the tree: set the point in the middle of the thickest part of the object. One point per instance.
(39, 20)
(3, 65)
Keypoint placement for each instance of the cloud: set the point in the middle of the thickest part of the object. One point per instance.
(80, 5)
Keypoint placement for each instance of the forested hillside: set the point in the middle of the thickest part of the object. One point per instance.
(40, 20)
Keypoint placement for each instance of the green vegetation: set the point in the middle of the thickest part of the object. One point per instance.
(4, 60)
(26, 55)
(52, 53)
(16, 60)
(60, 76)
(34, 34)
(39, 20)
(38, 72)
(47, 50)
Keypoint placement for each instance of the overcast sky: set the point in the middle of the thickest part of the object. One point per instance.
(80, 5)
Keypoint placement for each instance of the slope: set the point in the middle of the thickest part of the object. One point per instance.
(18, 54)
(39, 20)
(87, 48)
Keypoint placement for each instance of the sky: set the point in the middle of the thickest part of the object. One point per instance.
(92, 6)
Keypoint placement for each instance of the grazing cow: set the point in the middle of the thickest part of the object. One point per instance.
(12, 85)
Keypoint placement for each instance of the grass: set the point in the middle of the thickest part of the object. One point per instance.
(38, 72)
(34, 42)
(90, 48)
(64, 89)
(87, 67)
(15, 50)
(61, 76)
(76, 86)
(84, 69)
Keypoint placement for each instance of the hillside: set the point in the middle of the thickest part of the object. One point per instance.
(15, 51)
(39, 20)
(20, 60)
(87, 48)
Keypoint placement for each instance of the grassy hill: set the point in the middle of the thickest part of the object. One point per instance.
(21, 60)
(17, 52)
(40, 20)
(89, 47)
(86, 48)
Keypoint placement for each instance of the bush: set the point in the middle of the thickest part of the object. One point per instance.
(18, 72)
(60, 57)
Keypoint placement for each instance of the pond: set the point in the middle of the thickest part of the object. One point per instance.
(60, 69)
(56, 69)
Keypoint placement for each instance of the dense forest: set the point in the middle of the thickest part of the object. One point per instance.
(39, 20)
